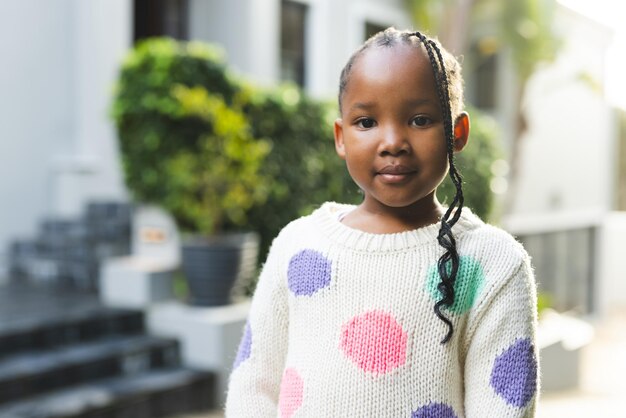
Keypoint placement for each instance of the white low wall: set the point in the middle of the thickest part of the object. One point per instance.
(209, 336)
(611, 271)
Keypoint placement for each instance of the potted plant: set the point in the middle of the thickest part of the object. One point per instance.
(187, 146)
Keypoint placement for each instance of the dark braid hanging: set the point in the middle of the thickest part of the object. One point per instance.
(448, 264)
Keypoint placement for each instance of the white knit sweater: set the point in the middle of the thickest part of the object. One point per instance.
(342, 325)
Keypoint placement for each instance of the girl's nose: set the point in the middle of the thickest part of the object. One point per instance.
(394, 142)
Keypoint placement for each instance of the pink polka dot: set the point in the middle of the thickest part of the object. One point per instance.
(291, 390)
(374, 341)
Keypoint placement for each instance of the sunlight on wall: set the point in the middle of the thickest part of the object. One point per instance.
(611, 13)
(616, 68)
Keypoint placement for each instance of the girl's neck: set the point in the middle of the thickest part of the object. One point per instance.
(379, 219)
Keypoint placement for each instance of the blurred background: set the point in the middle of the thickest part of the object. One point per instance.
(133, 127)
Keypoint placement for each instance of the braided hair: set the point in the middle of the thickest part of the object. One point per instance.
(447, 73)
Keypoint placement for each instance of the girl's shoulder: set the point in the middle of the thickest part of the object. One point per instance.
(309, 220)
(302, 227)
(492, 248)
(326, 214)
(494, 238)
(492, 254)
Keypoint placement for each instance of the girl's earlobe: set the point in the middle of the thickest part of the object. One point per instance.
(461, 131)
(339, 145)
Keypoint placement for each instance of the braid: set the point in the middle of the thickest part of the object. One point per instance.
(445, 236)
(446, 70)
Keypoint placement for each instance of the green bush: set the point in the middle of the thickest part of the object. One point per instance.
(185, 143)
(213, 185)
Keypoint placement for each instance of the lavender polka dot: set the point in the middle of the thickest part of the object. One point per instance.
(434, 410)
(308, 272)
(514, 374)
(244, 347)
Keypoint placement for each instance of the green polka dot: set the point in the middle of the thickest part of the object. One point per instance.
(469, 283)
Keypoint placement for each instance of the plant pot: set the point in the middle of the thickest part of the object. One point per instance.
(212, 266)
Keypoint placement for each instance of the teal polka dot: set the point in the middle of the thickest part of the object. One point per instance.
(469, 283)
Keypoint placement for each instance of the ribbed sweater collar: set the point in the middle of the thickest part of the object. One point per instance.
(327, 216)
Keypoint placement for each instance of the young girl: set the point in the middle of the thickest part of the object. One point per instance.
(398, 307)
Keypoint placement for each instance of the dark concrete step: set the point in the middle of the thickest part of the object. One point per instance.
(34, 372)
(152, 394)
(64, 328)
(23, 301)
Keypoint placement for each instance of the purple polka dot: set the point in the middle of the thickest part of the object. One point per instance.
(308, 272)
(244, 346)
(434, 410)
(514, 374)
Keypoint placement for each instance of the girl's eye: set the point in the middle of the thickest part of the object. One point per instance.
(366, 123)
(421, 121)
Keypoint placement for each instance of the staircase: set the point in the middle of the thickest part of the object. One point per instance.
(63, 354)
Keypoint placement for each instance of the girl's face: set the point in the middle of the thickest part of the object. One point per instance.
(391, 132)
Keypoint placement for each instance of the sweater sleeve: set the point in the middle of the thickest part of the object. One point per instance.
(501, 364)
(255, 380)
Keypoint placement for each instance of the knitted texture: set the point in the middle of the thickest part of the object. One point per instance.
(342, 325)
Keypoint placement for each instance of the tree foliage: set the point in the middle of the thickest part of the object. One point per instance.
(523, 26)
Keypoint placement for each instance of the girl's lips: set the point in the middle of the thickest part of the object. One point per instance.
(392, 174)
(394, 178)
(395, 169)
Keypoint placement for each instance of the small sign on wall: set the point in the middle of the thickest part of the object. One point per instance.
(155, 235)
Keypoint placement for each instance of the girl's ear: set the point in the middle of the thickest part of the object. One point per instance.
(461, 131)
(339, 145)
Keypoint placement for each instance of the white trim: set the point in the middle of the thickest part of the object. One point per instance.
(610, 243)
(553, 221)
(381, 14)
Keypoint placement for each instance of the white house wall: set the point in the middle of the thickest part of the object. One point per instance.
(36, 107)
(58, 148)
(249, 31)
(567, 155)
(102, 36)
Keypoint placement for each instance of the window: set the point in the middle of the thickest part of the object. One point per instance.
(161, 18)
(372, 29)
(485, 78)
(564, 268)
(292, 42)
